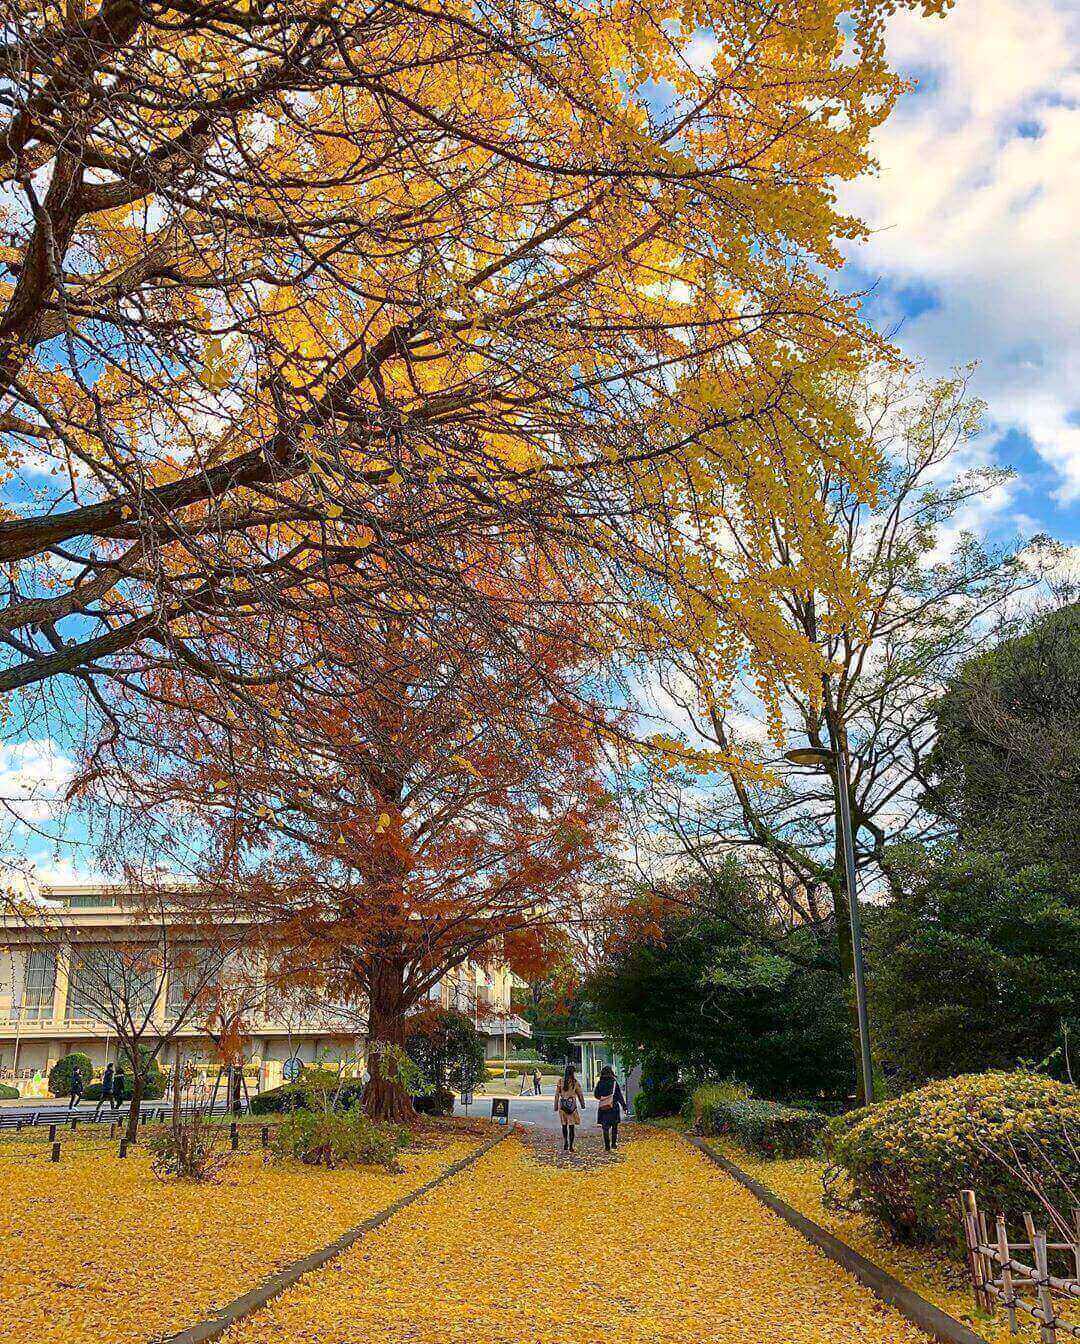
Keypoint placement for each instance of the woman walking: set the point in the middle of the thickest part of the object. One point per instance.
(569, 1102)
(610, 1105)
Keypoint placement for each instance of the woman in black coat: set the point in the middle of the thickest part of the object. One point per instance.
(611, 1104)
(107, 1085)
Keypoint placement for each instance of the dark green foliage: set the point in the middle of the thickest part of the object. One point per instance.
(721, 993)
(975, 965)
(447, 1049)
(662, 1092)
(763, 1127)
(8, 1093)
(153, 1091)
(154, 1078)
(556, 1009)
(439, 1102)
(1006, 763)
(908, 1159)
(60, 1075)
(317, 1090)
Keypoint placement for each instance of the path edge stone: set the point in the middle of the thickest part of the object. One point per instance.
(213, 1327)
(938, 1324)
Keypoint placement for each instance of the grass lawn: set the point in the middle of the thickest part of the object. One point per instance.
(97, 1248)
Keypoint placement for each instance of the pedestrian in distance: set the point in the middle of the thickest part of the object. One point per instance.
(76, 1087)
(610, 1105)
(119, 1082)
(536, 1082)
(569, 1103)
(108, 1084)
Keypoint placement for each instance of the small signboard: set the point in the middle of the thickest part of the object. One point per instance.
(292, 1069)
(500, 1110)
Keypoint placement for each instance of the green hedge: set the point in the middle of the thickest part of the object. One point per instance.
(439, 1102)
(307, 1095)
(519, 1066)
(154, 1090)
(908, 1159)
(60, 1075)
(764, 1127)
(8, 1093)
(659, 1097)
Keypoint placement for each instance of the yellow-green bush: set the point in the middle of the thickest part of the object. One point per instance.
(764, 1127)
(909, 1159)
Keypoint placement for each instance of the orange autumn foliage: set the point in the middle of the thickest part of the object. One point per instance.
(416, 803)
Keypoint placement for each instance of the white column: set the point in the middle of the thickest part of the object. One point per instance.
(60, 988)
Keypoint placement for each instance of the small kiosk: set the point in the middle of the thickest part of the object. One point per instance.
(596, 1051)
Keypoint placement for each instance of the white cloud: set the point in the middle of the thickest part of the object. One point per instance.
(976, 203)
(701, 50)
(34, 777)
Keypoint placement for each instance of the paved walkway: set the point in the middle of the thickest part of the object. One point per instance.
(538, 1111)
(656, 1247)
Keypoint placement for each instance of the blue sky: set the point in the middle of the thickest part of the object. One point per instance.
(973, 257)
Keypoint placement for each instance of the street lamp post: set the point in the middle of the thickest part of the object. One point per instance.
(836, 760)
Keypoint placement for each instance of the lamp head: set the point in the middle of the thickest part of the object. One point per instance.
(815, 757)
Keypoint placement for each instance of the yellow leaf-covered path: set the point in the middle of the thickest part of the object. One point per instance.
(662, 1247)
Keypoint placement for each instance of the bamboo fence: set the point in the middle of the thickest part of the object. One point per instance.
(1000, 1276)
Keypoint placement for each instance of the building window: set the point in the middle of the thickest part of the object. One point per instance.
(106, 982)
(38, 985)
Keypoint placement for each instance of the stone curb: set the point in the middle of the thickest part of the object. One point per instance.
(213, 1327)
(930, 1319)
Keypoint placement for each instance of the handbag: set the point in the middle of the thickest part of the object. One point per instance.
(607, 1100)
(568, 1103)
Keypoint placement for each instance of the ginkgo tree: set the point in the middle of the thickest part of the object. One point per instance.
(288, 284)
(413, 803)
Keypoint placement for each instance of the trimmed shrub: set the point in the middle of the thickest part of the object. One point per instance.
(908, 1159)
(339, 1138)
(520, 1066)
(153, 1091)
(8, 1093)
(712, 1094)
(659, 1096)
(309, 1094)
(61, 1073)
(439, 1102)
(764, 1127)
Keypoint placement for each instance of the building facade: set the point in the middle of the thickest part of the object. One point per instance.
(47, 1010)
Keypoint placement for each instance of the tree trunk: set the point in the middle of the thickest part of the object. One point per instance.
(176, 1087)
(384, 1097)
(138, 1087)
